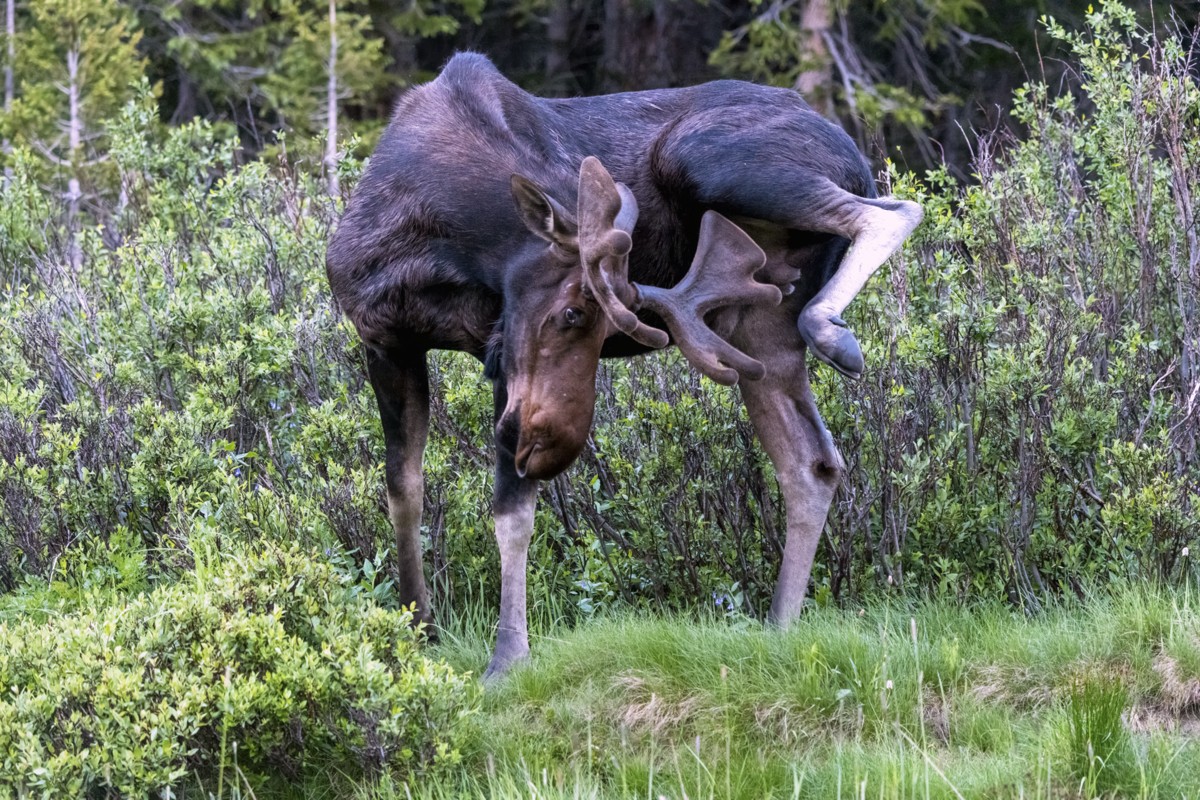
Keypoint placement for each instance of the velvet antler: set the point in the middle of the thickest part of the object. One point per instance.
(607, 215)
(721, 274)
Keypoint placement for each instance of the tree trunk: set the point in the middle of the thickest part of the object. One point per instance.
(74, 158)
(816, 78)
(10, 41)
(649, 45)
(559, 79)
(331, 107)
(10, 34)
(611, 69)
(402, 47)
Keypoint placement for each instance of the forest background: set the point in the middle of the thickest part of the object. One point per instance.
(178, 390)
(915, 75)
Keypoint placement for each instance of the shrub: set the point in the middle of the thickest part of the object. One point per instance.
(276, 658)
(1027, 425)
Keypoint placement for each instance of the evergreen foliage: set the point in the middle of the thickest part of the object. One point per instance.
(86, 45)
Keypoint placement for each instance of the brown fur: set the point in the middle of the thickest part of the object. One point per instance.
(441, 247)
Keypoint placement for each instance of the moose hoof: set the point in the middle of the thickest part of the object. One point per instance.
(502, 663)
(832, 342)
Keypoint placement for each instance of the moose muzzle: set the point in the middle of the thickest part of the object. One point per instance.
(544, 438)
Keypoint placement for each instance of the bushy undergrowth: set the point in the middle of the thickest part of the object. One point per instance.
(271, 664)
(1027, 425)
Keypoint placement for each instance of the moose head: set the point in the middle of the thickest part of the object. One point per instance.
(576, 293)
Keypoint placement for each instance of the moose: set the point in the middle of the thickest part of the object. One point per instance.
(541, 235)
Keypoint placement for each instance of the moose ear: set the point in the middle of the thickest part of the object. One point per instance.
(543, 215)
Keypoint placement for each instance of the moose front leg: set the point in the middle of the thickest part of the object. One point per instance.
(513, 502)
(401, 384)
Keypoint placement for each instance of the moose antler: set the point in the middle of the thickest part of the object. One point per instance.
(721, 274)
(607, 215)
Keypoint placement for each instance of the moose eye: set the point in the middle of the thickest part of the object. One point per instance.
(572, 317)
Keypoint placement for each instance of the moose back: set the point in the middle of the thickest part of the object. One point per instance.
(540, 235)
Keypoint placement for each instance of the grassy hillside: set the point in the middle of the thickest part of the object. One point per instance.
(892, 701)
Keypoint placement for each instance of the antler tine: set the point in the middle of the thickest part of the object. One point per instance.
(722, 274)
(607, 215)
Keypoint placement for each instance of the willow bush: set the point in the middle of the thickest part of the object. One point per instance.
(1026, 426)
(271, 664)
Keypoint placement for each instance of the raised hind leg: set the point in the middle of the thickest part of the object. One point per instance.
(401, 384)
(807, 463)
(797, 173)
(875, 227)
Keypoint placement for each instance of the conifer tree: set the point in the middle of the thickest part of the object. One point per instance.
(331, 105)
(331, 55)
(10, 58)
(77, 64)
(266, 65)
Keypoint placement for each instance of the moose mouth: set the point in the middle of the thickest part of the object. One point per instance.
(523, 457)
(538, 460)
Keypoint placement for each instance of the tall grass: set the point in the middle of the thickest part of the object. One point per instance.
(1101, 756)
(896, 700)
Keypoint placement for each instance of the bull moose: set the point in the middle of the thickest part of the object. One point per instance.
(541, 235)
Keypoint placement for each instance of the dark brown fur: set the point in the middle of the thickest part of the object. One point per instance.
(441, 248)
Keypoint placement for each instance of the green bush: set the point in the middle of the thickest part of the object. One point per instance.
(276, 661)
(1027, 426)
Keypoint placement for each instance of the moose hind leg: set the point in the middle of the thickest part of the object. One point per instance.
(807, 463)
(876, 228)
(401, 386)
(801, 198)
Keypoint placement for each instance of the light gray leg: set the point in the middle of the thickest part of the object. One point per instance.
(807, 464)
(513, 503)
(514, 529)
(876, 228)
(800, 197)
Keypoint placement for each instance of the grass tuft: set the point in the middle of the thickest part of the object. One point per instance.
(910, 700)
(1101, 757)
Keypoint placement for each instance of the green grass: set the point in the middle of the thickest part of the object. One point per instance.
(899, 700)
(929, 700)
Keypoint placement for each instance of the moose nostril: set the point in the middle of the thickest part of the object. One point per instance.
(521, 460)
(508, 432)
